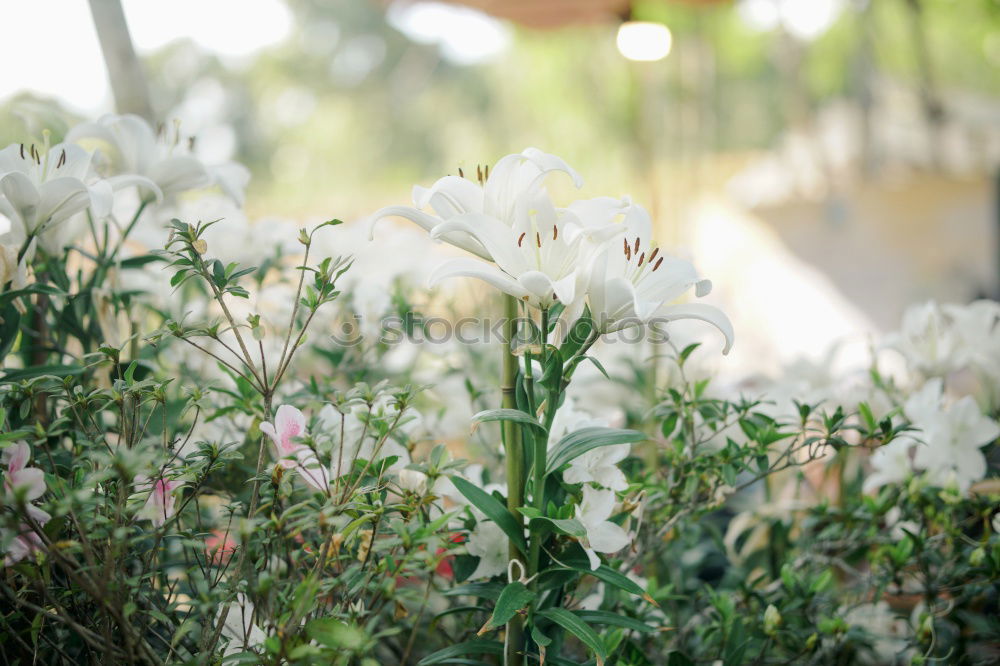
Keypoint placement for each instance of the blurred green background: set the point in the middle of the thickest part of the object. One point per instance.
(853, 143)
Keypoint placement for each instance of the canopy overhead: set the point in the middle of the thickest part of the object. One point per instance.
(558, 13)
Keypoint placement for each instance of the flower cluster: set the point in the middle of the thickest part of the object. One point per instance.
(49, 192)
(595, 254)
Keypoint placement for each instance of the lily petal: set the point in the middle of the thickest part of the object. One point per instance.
(706, 313)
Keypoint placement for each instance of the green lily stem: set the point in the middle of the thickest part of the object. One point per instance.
(514, 648)
(541, 442)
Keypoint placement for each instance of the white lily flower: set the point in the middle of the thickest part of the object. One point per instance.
(600, 466)
(514, 180)
(535, 259)
(159, 165)
(42, 189)
(633, 282)
(489, 543)
(603, 536)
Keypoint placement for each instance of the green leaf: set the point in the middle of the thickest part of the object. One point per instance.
(570, 526)
(514, 597)
(578, 628)
(489, 590)
(41, 371)
(614, 620)
(446, 655)
(580, 441)
(494, 510)
(515, 415)
(608, 575)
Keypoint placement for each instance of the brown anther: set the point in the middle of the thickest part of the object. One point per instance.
(641, 257)
(656, 251)
(191, 142)
(628, 250)
(461, 174)
(520, 238)
(660, 261)
(555, 232)
(479, 174)
(636, 250)
(62, 159)
(486, 172)
(22, 151)
(538, 239)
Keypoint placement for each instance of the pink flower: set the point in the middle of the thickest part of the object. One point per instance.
(21, 546)
(219, 547)
(160, 504)
(19, 477)
(289, 424)
(22, 484)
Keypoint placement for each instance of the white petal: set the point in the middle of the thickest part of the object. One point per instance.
(607, 537)
(61, 198)
(595, 561)
(450, 196)
(706, 313)
(141, 182)
(428, 222)
(488, 273)
(495, 236)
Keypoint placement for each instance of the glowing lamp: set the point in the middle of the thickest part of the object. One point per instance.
(644, 41)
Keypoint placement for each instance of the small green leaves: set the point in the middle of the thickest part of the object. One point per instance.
(514, 597)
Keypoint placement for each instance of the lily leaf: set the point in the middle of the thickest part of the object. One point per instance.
(578, 628)
(580, 441)
(494, 510)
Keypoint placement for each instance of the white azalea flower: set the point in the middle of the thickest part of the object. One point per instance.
(891, 463)
(240, 627)
(570, 419)
(953, 445)
(928, 341)
(42, 189)
(489, 543)
(515, 180)
(600, 466)
(633, 282)
(413, 481)
(603, 536)
(951, 437)
(163, 165)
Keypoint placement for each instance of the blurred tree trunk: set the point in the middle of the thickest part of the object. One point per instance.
(128, 81)
(934, 112)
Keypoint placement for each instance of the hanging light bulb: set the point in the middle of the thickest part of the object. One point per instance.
(644, 41)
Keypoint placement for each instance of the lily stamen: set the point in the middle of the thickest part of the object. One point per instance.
(521, 238)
